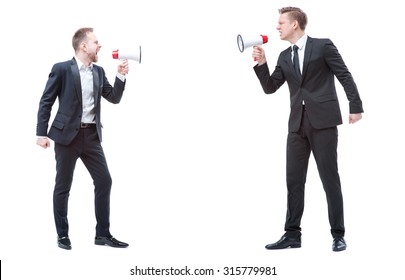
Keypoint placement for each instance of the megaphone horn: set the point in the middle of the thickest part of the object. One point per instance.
(244, 43)
(125, 54)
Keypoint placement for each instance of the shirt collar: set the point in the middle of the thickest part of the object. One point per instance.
(301, 42)
(80, 64)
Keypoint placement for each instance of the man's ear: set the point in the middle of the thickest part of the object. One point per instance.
(83, 46)
(295, 24)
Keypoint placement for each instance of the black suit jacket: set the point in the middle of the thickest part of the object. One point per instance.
(322, 62)
(64, 83)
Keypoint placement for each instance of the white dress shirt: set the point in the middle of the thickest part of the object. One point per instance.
(86, 79)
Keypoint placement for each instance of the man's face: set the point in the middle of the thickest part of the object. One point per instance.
(285, 27)
(92, 47)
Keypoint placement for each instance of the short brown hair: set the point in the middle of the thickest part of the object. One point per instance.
(297, 14)
(80, 36)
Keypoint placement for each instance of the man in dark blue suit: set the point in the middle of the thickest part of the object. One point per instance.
(309, 66)
(79, 84)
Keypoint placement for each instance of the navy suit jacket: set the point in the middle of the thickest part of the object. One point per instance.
(322, 62)
(64, 84)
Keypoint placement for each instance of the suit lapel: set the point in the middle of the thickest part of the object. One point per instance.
(289, 60)
(76, 79)
(95, 86)
(290, 64)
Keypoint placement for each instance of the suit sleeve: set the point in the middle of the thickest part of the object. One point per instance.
(110, 93)
(48, 98)
(340, 70)
(270, 83)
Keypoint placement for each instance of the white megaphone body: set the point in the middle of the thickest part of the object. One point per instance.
(247, 42)
(128, 54)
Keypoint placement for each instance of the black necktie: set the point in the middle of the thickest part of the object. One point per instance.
(296, 62)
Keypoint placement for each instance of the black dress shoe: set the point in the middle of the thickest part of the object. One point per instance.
(339, 244)
(64, 242)
(110, 241)
(285, 242)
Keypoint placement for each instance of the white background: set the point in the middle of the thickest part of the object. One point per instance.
(196, 149)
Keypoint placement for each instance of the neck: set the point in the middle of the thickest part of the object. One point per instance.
(298, 35)
(83, 58)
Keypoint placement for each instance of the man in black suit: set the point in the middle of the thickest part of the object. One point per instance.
(314, 117)
(79, 84)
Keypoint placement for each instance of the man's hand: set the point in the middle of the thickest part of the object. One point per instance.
(123, 67)
(43, 142)
(259, 55)
(355, 117)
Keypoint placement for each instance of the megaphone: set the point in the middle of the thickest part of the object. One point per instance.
(247, 42)
(126, 54)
